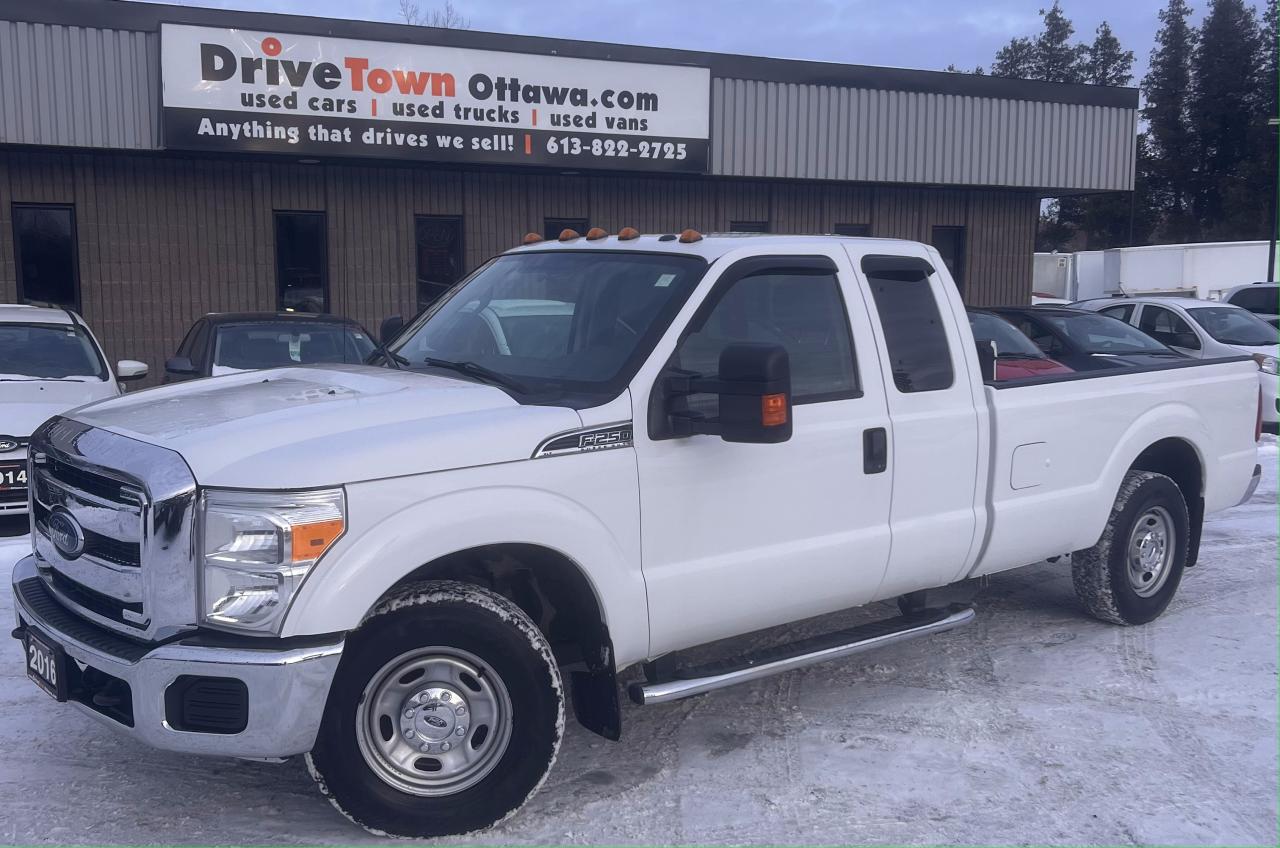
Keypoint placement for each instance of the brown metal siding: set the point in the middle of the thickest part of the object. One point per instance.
(164, 239)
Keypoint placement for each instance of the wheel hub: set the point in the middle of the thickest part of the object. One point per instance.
(435, 719)
(1150, 552)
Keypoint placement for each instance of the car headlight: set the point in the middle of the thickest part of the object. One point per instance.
(1267, 364)
(258, 548)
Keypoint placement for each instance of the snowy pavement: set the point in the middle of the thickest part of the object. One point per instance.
(1033, 725)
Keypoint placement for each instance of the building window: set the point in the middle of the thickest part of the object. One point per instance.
(950, 244)
(302, 278)
(748, 226)
(552, 227)
(919, 355)
(859, 230)
(439, 248)
(44, 239)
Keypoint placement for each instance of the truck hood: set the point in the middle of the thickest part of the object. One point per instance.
(293, 428)
(25, 404)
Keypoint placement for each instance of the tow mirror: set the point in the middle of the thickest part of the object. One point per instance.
(390, 328)
(179, 366)
(128, 370)
(987, 359)
(754, 388)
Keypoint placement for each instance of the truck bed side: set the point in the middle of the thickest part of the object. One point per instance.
(1060, 448)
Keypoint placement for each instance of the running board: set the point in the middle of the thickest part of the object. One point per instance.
(816, 649)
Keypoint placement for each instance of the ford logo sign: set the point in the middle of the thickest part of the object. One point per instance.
(66, 533)
(8, 444)
(435, 721)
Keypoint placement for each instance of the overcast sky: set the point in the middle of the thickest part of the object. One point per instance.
(927, 34)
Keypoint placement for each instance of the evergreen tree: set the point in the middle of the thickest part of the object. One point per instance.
(1055, 58)
(1226, 70)
(1167, 90)
(1016, 59)
(1105, 63)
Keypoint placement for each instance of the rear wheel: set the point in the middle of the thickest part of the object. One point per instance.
(444, 717)
(1133, 572)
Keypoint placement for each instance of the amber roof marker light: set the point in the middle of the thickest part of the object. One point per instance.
(628, 233)
(569, 235)
(690, 236)
(595, 234)
(531, 238)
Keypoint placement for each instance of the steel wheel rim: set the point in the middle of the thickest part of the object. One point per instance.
(448, 714)
(1149, 554)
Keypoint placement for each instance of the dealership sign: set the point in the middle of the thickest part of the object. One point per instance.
(240, 90)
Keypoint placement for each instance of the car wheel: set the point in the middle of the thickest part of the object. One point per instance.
(445, 714)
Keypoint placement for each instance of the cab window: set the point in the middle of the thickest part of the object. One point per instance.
(1124, 313)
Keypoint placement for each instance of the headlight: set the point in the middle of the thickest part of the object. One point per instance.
(1267, 364)
(258, 547)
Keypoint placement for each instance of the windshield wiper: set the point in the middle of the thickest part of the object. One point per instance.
(41, 379)
(389, 356)
(475, 369)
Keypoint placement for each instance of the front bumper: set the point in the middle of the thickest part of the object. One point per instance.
(286, 687)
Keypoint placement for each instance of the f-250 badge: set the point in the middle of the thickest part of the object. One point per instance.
(597, 438)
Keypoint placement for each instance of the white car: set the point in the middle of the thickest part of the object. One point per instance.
(1205, 329)
(1262, 299)
(50, 362)
(592, 455)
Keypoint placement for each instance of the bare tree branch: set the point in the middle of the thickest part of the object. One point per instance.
(446, 17)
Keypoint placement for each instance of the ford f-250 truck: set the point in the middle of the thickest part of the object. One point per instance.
(592, 454)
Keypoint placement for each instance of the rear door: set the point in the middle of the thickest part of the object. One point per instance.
(936, 454)
(738, 537)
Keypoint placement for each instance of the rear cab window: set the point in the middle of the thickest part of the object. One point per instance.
(916, 339)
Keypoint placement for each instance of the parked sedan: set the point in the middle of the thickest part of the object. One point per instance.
(1205, 329)
(229, 342)
(1086, 341)
(1016, 356)
(1262, 299)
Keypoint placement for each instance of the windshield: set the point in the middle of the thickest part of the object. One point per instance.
(49, 352)
(1102, 334)
(245, 347)
(1009, 340)
(1234, 326)
(557, 323)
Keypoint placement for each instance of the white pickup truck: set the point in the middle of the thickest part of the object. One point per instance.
(595, 453)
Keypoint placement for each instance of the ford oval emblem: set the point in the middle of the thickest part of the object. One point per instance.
(66, 533)
(8, 444)
(435, 721)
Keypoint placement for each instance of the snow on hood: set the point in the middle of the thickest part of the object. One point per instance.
(304, 427)
(26, 403)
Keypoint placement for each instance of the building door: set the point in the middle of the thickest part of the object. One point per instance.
(438, 243)
(44, 238)
(949, 242)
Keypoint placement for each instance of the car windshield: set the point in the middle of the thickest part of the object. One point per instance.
(556, 323)
(1234, 326)
(48, 352)
(1009, 340)
(245, 347)
(1102, 334)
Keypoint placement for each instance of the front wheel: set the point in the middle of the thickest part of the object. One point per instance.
(1132, 573)
(445, 714)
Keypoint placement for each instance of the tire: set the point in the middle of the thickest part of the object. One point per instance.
(1133, 572)
(444, 717)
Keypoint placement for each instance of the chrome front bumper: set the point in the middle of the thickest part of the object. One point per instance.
(287, 686)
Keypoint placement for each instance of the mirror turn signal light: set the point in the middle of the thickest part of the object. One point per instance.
(628, 233)
(595, 233)
(568, 234)
(690, 236)
(531, 238)
(773, 410)
(313, 539)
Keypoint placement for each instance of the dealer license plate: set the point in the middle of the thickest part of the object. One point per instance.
(13, 475)
(46, 663)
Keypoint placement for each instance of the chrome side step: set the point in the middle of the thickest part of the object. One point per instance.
(806, 652)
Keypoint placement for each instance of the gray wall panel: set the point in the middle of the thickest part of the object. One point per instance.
(71, 86)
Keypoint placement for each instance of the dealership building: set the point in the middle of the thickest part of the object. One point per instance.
(160, 162)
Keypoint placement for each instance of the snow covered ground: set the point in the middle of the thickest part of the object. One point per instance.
(1033, 725)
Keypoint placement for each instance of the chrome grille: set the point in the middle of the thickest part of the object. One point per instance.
(131, 506)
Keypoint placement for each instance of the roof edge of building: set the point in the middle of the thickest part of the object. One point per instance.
(147, 17)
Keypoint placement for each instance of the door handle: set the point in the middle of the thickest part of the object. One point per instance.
(875, 450)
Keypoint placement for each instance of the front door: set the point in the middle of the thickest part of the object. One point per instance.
(738, 537)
